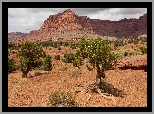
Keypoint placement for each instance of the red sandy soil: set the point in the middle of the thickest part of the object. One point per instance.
(34, 91)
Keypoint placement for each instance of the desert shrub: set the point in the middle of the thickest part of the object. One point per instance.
(12, 46)
(125, 53)
(55, 45)
(135, 41)
(131, 53)
(11, 66)
(143, 50)
(66, 44)
(77, 63)
(69, 58)
(60, 43)
(75, 73)
(39, 63)
(73, 46)
(47, 63)
(130, 41)
(89, 67)
(57, 57)
(61, 99)
(59, 48)
(144, 39)
(118, 43)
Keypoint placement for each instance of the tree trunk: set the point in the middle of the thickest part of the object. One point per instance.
(24, 75)
(100, 74)
(98, 79)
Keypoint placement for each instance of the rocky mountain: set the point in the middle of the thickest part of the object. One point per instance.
(67, 26)
(16, 36)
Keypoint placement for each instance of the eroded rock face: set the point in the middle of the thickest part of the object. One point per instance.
(67, 25)
(138, 62)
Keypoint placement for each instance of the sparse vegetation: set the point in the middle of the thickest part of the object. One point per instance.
(125, 53)
(69, 58)
(57, 57)
(97, 56)
(61, 99)
(75, 73)
(118, 43)
(47, 63)
(143, 50)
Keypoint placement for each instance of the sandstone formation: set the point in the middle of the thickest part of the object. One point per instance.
(68, 26)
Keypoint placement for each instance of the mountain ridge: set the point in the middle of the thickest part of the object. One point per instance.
(68, 25)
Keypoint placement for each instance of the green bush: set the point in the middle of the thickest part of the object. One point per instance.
(55, 45)
(69, 58)
(77, 63)
(73, 46)
(66, 44)
(11, 66)
(130, 41)
(131, 53)
(143, 50)
(61, 99)
(118, 43)
(57, 57)
(144, 39)
(89, 67)
(47, 63)
(125, 53)
(136, 41)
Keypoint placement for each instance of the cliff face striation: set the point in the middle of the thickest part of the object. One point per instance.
(68, 26)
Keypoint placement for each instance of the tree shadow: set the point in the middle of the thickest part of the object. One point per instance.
(110, 89)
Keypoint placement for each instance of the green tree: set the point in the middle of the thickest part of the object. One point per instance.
(11, 66)
(99, 56)
(47, 63)
(30, 55)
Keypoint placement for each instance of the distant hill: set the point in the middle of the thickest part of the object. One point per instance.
(16, 36)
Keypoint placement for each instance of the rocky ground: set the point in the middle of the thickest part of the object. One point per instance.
(34, 91)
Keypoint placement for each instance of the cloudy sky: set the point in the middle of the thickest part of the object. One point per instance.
(27, 19)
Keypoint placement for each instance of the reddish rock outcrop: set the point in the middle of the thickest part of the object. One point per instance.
(67, 25)
(138, 62)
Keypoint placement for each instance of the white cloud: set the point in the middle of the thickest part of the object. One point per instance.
(27, 19)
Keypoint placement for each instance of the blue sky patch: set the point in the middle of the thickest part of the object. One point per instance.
(10, 15)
